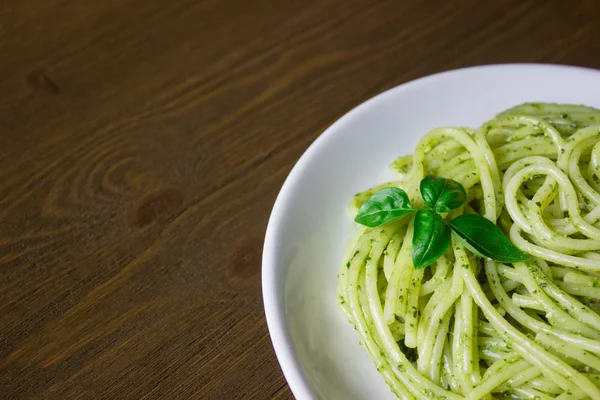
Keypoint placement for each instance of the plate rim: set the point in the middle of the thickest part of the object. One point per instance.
(272, 289)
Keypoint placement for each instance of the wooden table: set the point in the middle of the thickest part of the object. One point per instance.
(143, 143)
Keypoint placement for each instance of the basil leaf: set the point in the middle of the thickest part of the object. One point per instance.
(384, 206)
(431, 238)
(484, 238)
(441, 194)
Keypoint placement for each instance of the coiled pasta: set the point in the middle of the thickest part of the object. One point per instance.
(477, 329)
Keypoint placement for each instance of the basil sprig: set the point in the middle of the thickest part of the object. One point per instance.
(432, 233)
(431, 238)
(484, 238)
(384, 206)
(441, 194)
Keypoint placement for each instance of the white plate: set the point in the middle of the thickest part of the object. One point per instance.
(310, 226)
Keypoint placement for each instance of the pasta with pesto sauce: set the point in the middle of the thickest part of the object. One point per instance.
(473, 328)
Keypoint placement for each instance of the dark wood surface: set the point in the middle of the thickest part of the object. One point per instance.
(143, 143)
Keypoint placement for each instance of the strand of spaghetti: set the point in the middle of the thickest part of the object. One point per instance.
(569, 351)
(580, 290)
(519, 379)
(545, 385)
(536, 325)
(395, 295)
(491, 382)
(541, 200)
(392, 250)
(442, 268)
(409, 376)
(572, 142)
(594, 168)
(348, 256)
(359, 318)
(572, 395)
(482, 143)
(546, 129)
(527, 392)
(443, 153)
(518, 173)
(564, 375)
(457, 355)
(466, 334)
(412, 315)
(449, 371)
(438, 349)
(578, 180)
(437, 308)
(582, 263)
(560, 315)
(581, 279)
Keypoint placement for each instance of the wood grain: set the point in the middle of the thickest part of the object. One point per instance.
(143, 143)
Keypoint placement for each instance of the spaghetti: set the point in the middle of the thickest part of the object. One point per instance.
(470, 328)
